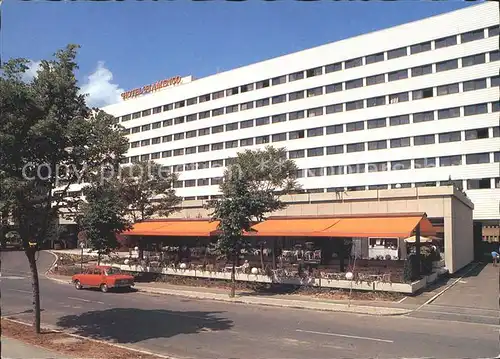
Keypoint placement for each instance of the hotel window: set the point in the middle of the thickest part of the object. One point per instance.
(313, 112)
(178, 168)
(477, 158)
(355, 126)
(178, 184)
(333, 67)
(374, 80)
(232, 144)
(300, 174)
(475, 109)
(297, 115)
(317, 71)
(377, 167)
(192, 101)
(334, 108)
(145, 142)
(203, 182)
(482, 183)
(203, 115)
(315, 172)
(378, 186)
(421, 70)
(134, 159)
(333, 129)
(135, 144)
(279, 118)
(423, 93)
(496, 156)
(179, 136)
(494, 56)
(355, 147)
(232, 126)
(496, 131)
(166, 154)
(473, 60)
(354, 105)
(447, 161)
(447, 89)
(279, 80)
(445, 42)
(246, 142)
(217, 164)
(246, 106)
(429, 162)
(449, 113)
(217, 129)
(349, 64)
(190, 150)
(191, 118)
(168, 107)
(179, 104)
(422, 47)
(126, 118)
(191, 134)
(315, 152)
(474, 85)
(217, 146)
(377, 145)
(399, 97)
(203, 148)
(424, 140)
(262, 121)
(216, 181)
(335, 150)
(167, 138)
(296, 95)
(179, 120)
(155, 156)
(296, 76)
(246, 88)
(232, 108)
(246, 124)
(203, 165)
(375, 101)
(156, 140)
(394, 54)
(204, 98)
(262, 102)
(476, 134)
(472, 36)
(146, 127)
(168, 122)
(493, 31)
(315, 92)
(278, 99)
(349, 85)
(334, 170)
(294, 135)
(261, 140)
(232, 91)
(313, 132)
(128, 131)
(398, 75)
(278, 137)
(146, 113)
(400, 142)
(218, 112)
(400, 165)
(447, 65)
(334, 87)
(296, 154)
(179, 152)
(358, 168)
(425, 184)
(450, 137)
(371, 59)
(136, 115)
(204, 131)
(218, 95)
(136, 129)
(144, 158)
(262, 84)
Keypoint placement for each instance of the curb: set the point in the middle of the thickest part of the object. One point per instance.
(51, 328)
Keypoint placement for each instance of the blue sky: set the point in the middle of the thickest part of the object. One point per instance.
(142, 42)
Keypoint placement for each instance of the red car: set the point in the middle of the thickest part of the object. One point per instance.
(102, 277)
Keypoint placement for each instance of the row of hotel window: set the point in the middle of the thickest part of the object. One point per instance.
(339, 66)
(330, 130)
(447, 89)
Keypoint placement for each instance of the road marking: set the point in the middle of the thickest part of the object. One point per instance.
(13, 277)
(20, 290)
(345, 336)
(401, 300)
(86, 300)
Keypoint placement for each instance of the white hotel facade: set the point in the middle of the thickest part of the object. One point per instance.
(408, 106)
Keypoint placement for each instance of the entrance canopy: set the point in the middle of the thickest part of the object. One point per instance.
(174, 228)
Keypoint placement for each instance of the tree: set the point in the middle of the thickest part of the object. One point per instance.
(103, 216)
(250, 189)
(49, 140)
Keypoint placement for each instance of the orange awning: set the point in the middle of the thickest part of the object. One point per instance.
(174, 228)
(291, 227)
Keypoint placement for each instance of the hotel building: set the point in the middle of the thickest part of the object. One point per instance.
(410, 106)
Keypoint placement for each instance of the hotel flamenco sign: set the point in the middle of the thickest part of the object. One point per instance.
(151, 88)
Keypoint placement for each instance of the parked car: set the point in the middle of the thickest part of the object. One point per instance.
(102, 277)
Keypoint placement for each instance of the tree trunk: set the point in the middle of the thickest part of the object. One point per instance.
(99, 258)
(275, 248)
(262, 257)
(233, 276)
(30, 253)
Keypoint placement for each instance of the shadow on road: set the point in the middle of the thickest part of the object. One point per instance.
(131, 325)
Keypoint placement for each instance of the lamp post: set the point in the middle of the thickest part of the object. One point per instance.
(82, 245)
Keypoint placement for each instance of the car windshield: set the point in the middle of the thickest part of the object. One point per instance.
(113, 270)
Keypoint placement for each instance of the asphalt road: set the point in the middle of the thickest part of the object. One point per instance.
(211, 330)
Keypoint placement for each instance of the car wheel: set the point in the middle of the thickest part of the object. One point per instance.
(78, 285)
(104, 288)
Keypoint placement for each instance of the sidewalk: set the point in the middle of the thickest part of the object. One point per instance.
(15, 349)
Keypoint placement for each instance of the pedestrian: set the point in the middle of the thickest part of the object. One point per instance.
(494, 254)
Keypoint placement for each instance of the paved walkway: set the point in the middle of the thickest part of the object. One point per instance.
(15, 349)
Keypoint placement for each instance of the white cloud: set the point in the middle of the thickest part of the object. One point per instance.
(100, 89)
(31, 72)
